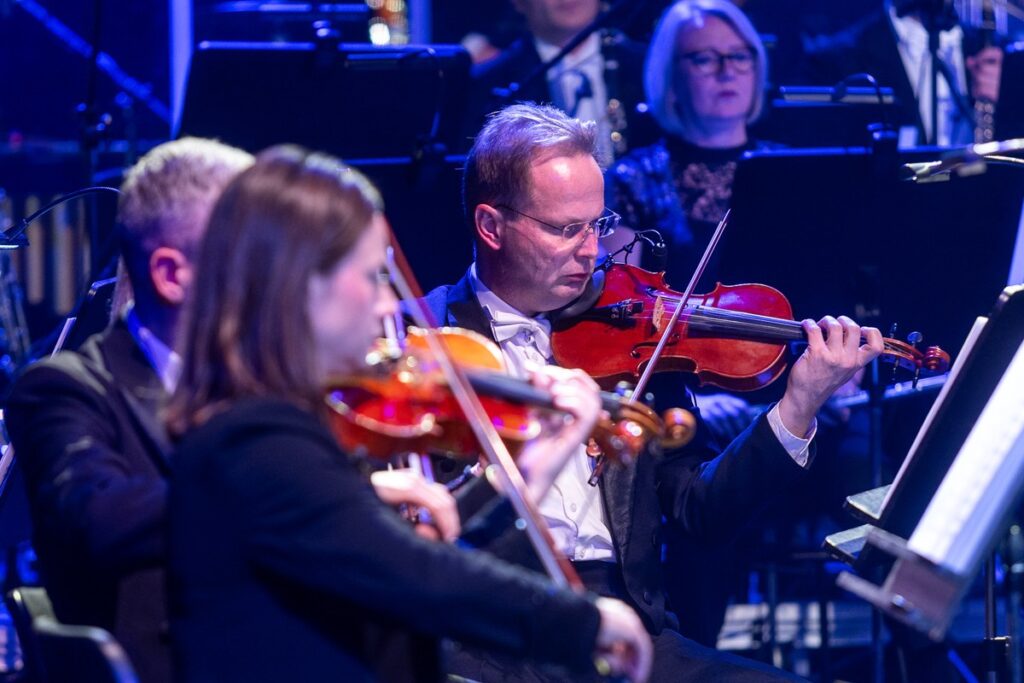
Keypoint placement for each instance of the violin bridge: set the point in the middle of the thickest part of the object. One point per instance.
(659, 313)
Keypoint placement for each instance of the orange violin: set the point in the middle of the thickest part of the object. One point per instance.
(403, 404)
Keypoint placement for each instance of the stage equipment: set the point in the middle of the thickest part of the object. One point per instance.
(967, 161)
(254, 20)
(357, 101)
(959, 485)
(842, 116)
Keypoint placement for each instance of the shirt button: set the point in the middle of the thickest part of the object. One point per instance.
(647, 597)
(572, 507)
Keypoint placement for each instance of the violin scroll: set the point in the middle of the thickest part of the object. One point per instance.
(907, 356)
(735, 336)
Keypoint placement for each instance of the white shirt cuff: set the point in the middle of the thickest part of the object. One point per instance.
(798, 449)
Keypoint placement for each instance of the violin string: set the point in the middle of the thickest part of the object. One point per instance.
(645, 377)
(770, 332)
(737, 321)
(723, 320)
(724, 313)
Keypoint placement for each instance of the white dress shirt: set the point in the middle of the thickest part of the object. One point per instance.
(573, 509)
(164, 360)
(912, 43)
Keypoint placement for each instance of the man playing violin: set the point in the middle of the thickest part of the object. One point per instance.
(534, 199)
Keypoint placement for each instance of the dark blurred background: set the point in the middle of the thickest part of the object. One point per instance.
(86, 86)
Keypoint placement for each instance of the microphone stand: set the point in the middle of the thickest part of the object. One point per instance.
(930, 21)
(94, 128)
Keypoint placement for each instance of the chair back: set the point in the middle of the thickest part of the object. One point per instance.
(82, 654)
(26, 604)
(59, 653)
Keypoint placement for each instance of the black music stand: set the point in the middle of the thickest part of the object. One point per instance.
(354, 100)
(391, 111)
(960, 485)
(812, 116)
(836, 231)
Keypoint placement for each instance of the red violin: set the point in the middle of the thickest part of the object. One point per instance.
(734, 337)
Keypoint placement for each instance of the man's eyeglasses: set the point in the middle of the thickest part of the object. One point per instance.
(602, 226)
(710, 62)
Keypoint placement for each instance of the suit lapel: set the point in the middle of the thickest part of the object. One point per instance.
(139, 386)
(462, 309)
(618, 486)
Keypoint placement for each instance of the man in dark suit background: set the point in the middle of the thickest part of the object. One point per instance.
(85, 424)
(534, 199)
(891, 43)
(601, 80)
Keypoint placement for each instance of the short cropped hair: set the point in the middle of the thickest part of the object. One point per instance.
(498, 165)
(659, 72)
(167, 197)
(293, 214)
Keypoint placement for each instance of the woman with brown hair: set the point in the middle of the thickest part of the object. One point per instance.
(284, 563)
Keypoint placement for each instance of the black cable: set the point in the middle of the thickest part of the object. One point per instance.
(94, 57)
(651, 237)
(841, 88)
(13, 232)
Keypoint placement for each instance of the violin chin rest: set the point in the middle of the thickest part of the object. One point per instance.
(591, 293)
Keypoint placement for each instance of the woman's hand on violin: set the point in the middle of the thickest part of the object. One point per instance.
(834, 354)
(623, 642)
(405, 487)
(575, 393)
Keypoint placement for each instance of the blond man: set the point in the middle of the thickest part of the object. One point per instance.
(85, 423)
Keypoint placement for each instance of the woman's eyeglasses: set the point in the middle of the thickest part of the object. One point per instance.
(710, 62)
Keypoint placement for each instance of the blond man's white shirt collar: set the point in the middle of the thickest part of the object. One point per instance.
(163, 359)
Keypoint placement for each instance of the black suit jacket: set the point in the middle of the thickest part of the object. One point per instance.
(623, 76)
(94, 453)
(285, 566)
(870, 45)
(697, 491)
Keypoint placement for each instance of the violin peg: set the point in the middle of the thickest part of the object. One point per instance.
(624, 389)
(915, 338)
(892, 331)
(935, 359)
(680, 428)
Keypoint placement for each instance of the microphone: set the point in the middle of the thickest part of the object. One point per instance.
(926, 171)
(659, 254)
(964, 161)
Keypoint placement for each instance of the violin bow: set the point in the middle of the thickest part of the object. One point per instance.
(494, 450)
(687, 293)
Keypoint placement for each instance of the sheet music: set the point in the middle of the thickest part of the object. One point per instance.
(981, 483)
(965, 350)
